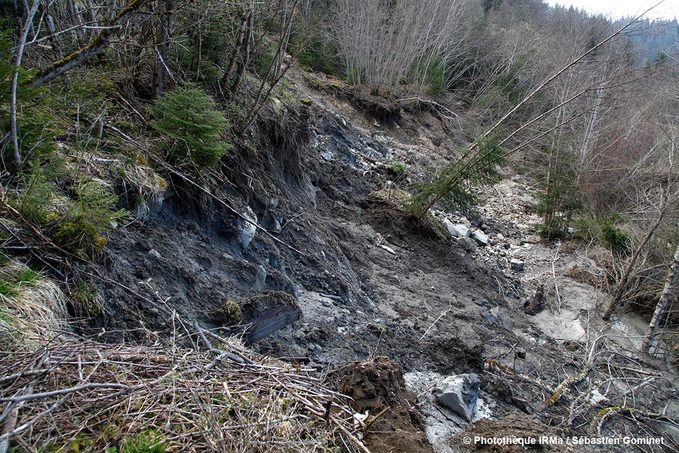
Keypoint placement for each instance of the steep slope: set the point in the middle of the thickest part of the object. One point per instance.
(369, 281)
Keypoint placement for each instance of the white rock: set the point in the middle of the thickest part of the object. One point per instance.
(248, 229)
(460, 394)
(456, 230)
(480, 237)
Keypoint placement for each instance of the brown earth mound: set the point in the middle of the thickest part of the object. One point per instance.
(378, 384)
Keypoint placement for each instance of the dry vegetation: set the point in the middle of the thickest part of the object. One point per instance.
(70, 394)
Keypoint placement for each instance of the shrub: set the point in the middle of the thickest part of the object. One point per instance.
(398, 167)
(191, 125)
(93, 213)
(36, 202)
(612, 236)
(455, 183)
(606, 230)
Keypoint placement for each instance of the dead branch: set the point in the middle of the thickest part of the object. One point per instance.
(96, 46)
(192, 401)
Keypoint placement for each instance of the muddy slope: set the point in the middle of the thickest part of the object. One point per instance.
(368, 280)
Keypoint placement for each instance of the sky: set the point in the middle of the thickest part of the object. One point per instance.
(616, 9)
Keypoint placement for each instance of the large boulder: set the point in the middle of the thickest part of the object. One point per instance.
(459, 393)
(268, 312)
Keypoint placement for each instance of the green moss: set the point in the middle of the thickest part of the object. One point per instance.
(144, 442)
(233, 311)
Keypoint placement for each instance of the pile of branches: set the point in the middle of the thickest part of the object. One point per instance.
(73, 394)
(613, 391)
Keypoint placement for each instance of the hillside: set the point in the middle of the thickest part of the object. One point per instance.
(283, 226)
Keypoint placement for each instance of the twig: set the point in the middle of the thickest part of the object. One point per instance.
(78, 388)
(435, 321)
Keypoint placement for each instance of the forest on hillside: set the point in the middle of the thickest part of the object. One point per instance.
(104, 105)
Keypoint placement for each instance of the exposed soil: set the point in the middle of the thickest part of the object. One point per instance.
(372, 282)
(377, 385)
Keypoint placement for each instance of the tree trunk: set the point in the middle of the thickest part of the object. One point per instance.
(92, 12)
(622, 286)
(670, 291)
(246, 47)
(163, 36)
(52, 29)
(14, 130)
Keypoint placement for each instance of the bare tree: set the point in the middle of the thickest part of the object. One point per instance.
(661, 196)
(669, 293)
(14, 132)
(163, 36)
(96, 45)
(381, 42)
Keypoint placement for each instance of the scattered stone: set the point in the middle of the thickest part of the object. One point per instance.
(494, 316)
(460, 394)
(155, 253)
(469, 245)
(456, 230)
(480, 237)
(516, 265)
(571, 345)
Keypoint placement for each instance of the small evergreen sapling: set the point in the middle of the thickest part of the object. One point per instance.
(191, 126)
